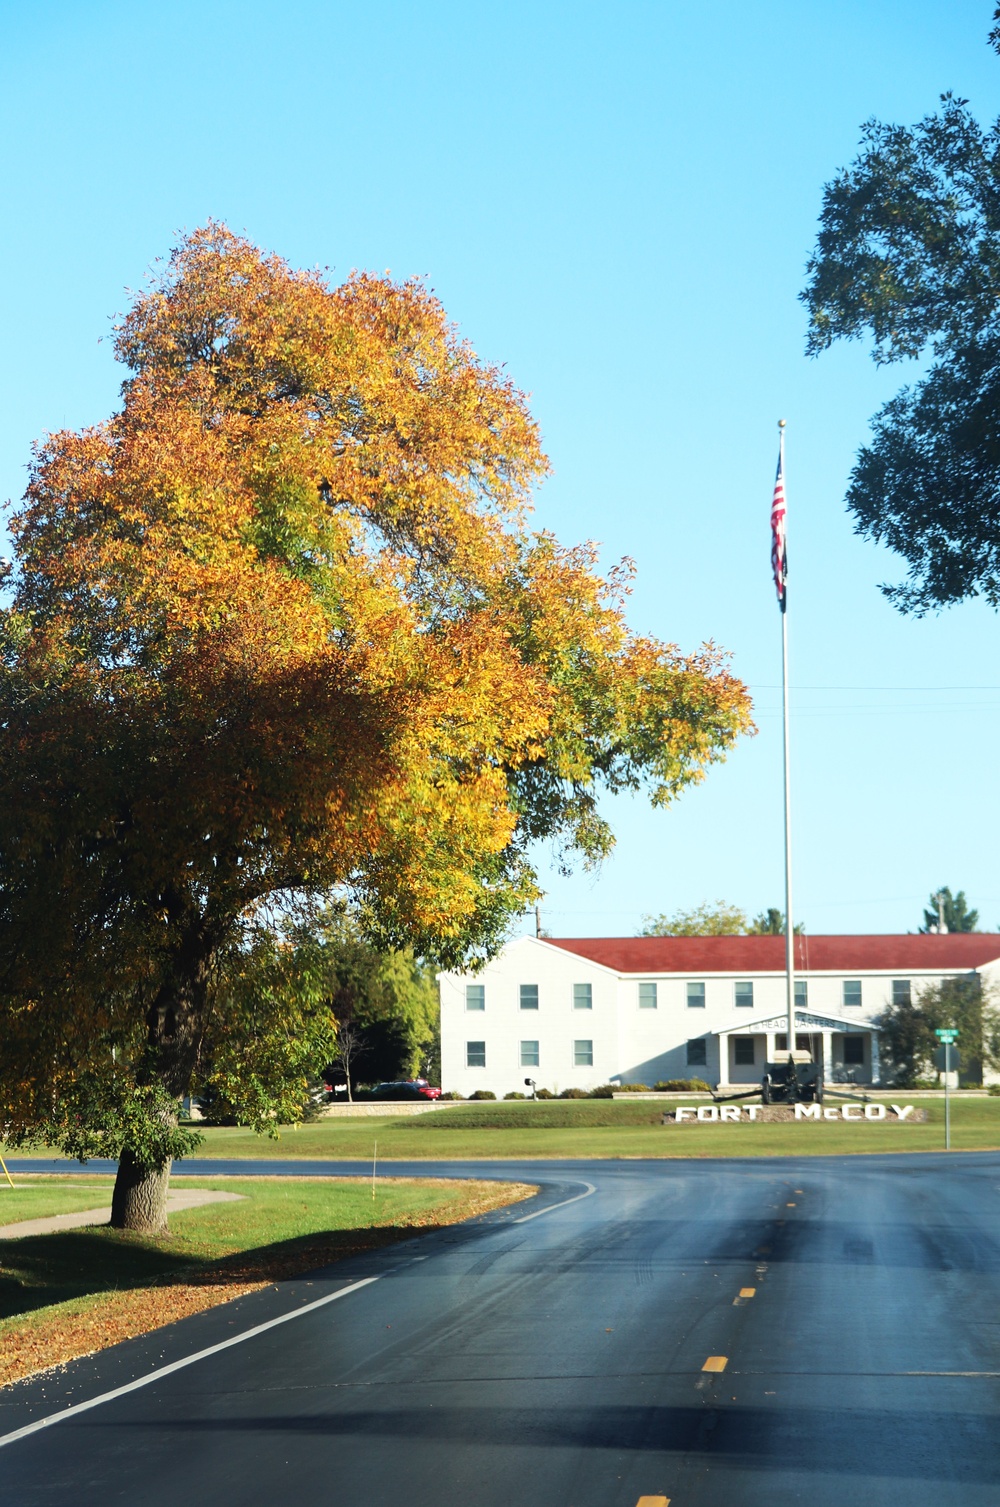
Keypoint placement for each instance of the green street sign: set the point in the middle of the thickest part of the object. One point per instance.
(947, 1035)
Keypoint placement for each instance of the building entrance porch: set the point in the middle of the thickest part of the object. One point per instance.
(847, 1050)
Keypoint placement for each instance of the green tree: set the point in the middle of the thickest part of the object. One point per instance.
(718, 920)
(906, 1030)
(771, 923)
(908, 252)
(954, 911)
(707, 920)
(389, 999)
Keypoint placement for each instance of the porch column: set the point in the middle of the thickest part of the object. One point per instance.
(873, 1039)
(827, 1056)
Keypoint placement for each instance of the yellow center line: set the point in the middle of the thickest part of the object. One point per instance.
(653, 1502)
(790, 1206)
(748, 1292)
(716, 1363)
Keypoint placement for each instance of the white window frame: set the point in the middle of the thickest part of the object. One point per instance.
(535, 1055)
(742, 1004)
(479, 1008)
(589, 996)
(694, 1002)
(468, 1054)
(588, 1045)
(651, 1001)
(520, 997)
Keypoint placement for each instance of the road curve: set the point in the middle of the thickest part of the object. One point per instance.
(560, 1361)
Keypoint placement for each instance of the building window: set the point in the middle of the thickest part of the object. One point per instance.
(696, 996)
(854, 1051)
(697, 1052)
(802, 1042)
(852, 993)
(475, 996)
(647, 996)
(743, 992)
(901, 991)
(583, 996)
(801, 993)
(529, 1053)
(475, 1054)
(743, 1053)
(583, 1054)
(529, 996)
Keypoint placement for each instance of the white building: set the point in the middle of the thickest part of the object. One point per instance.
(580, 1011)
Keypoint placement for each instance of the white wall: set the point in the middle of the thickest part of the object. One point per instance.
(629, 1043)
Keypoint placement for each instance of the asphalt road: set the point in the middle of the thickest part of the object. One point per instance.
(559, 1361)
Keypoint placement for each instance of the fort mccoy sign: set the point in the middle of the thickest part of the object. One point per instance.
(749, 1114)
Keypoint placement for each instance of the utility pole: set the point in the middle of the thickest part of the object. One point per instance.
(538, 920)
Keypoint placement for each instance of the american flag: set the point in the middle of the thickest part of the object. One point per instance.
(779, 552)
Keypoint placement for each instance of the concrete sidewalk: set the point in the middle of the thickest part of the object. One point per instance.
(194, 1198)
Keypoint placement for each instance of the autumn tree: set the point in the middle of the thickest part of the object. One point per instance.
(279, 637)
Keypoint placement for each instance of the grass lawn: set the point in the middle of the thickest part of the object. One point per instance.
(67, 1294)
(34, 1198)
(604, 1128)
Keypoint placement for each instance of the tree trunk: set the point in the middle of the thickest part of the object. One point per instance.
(139, 1200)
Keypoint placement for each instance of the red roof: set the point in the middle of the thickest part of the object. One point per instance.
(959, 952)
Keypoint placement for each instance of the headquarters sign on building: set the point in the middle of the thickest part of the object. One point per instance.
(580, 1011)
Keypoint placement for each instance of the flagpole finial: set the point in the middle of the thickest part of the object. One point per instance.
(781, 423)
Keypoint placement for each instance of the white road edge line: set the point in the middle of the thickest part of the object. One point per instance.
(178, 1365)
(550, 1210)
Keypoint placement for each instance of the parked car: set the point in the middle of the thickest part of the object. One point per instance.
(406, 1088)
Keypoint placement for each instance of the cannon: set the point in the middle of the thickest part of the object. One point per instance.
(793, 1078)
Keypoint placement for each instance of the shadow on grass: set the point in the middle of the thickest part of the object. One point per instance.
(36, 1271)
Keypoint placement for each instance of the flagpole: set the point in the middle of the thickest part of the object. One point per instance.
(789, 923)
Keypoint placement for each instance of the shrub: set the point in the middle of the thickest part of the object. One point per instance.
(606, 1091)
(544, 1093)
(682, 1086)
(451, 1095)
(574, 1093)
(483, 1093)
(515, 1095)
(994, 1090)
(632, 1088)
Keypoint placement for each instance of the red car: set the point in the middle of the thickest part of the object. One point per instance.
(406, 1088)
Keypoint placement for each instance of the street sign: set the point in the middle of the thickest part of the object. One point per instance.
(946, 1062)
(953, 1056)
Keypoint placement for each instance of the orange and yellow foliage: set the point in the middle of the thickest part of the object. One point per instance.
(280, 628)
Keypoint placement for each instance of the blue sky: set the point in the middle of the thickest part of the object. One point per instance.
(618, 203)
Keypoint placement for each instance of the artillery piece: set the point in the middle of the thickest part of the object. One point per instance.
(793, 1078)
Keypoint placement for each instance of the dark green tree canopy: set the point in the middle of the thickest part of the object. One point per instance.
(908, 252)
(954, 911)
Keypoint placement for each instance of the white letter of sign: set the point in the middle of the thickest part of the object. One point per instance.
(902, 1110)
(874, 1111)
(729, 1112)
(807, 1111)
(707, 1112)
(851, 1112)
(752, 1110)
(682, 1111)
